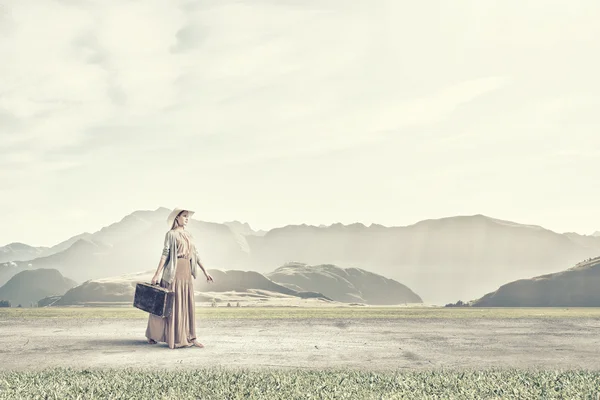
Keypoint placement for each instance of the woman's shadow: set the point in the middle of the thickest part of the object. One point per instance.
(127, 343)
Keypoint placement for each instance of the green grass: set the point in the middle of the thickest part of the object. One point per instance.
(305, 312)
(218, 383)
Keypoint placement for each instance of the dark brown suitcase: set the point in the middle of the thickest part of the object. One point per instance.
(154, 299)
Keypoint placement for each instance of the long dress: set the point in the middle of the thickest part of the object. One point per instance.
(178, 330)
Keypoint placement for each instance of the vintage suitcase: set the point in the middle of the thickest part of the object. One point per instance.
(153, 299)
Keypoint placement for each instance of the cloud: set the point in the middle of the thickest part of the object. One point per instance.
(96, 95)
(188, 37)
(130, 72)
(10, 123)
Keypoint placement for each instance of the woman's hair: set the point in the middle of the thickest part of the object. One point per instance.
(175, 223)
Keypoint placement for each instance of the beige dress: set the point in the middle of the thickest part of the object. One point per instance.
(178, 330)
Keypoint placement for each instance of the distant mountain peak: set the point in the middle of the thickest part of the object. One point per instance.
(16, 246)
(352, 225)
(238, 223)
(597, 233)
(335, 225)
(243, 228)
(425, 222)
(235, 221)
(17, 251)
(516, 224)
(477, 218)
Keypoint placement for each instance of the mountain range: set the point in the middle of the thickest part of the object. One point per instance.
(441, 260)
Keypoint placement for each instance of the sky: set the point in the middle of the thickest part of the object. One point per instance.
(277, 112)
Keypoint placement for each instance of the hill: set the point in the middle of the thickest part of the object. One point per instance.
(348, 285)
(28, 287)
(574, 287)
(7, 271)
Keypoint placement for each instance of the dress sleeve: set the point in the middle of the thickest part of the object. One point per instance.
(167, 245)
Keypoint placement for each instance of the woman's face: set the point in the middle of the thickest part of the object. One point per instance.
(182, 219)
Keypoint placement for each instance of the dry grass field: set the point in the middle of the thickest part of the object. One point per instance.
(299, 352)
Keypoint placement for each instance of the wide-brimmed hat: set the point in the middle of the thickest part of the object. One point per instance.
(174, 213)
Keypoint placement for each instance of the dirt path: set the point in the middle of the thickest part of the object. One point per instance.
(373, 344)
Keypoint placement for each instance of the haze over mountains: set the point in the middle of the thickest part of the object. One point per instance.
(445, 259)
(441, 260)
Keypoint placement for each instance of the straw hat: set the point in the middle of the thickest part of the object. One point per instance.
(174, 213)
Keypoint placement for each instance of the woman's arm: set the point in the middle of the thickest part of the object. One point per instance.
(200, 264)
(159, 270)
(161, 263)
(208, 277)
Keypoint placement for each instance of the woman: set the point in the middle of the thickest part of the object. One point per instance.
(178, 264)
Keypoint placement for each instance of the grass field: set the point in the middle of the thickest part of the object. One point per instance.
(306, 312)
(333, 384)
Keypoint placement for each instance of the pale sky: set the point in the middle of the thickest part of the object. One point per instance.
(277, 112)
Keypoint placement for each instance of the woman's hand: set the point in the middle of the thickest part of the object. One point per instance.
(208, 278)
(154, 280)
